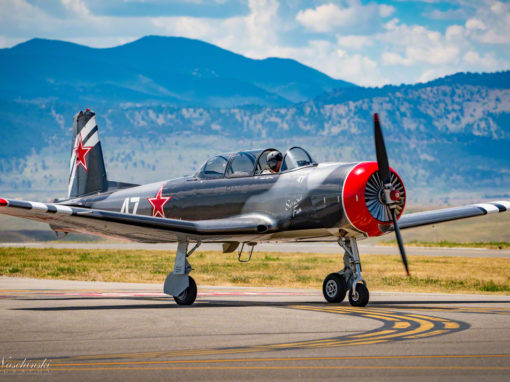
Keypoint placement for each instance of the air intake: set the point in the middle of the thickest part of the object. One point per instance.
(374, 197)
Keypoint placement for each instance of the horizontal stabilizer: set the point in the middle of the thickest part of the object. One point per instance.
(113, 185)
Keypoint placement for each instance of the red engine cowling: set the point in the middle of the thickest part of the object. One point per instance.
(362, 203)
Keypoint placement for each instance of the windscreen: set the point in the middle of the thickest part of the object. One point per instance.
(241, 164)
(296, 157)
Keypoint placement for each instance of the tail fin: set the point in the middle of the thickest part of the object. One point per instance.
(87, 173)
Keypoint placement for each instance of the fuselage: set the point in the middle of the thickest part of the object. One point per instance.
(305, 203)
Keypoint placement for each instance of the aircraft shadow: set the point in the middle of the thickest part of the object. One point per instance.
(170, 304)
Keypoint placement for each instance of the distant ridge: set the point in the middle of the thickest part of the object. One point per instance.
(495, 80)
(175, 70)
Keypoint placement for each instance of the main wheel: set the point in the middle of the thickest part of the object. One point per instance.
(189, 295)
(360, 297)
(334, 288)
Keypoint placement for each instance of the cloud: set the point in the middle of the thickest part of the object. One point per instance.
(257, 35)
(69, 20)
(416, 44)
(392, 58)
(455, 33)
(253, 35)
(473, 23)
(260, 23)
(76, 6)
(327, 17)
(494, 36)
(183, 26)
(354, 41)
(491, 25)
(360, 69)
(450, 14)
(472, 46)
(487, 61)
(6, 42)
(329, 58)
(386, 10)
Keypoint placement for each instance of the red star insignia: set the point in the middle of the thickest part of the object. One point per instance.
(158, 203)
(81, 153)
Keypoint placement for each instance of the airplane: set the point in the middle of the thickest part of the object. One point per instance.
(239, 199)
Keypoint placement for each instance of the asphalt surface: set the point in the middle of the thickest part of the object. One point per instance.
(114, 331)
(284, 247)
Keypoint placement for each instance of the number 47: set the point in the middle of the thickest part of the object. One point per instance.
(125, 206)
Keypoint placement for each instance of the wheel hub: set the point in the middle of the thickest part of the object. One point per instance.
(331, 288)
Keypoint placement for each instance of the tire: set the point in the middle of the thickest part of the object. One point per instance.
(334, 288)
(361, 297)
(189, 296)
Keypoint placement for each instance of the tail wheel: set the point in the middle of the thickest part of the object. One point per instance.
(189, 296)
(334, 288)
(360, 297)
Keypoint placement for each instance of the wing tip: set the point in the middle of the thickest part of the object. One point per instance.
(4, 203)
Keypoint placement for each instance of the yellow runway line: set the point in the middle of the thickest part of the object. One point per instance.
(302, 343)
(401, 322)
(287, 359)
(355, 342)
(280, 367)
(450, 325)
(425, 324)
(381, 317)
(429, 334)
(372, 334)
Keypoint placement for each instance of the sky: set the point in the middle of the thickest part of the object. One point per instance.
(370, 43)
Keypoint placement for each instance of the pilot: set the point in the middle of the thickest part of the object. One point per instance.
(274, 162)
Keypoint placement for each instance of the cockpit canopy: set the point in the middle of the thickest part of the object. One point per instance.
(252, 163)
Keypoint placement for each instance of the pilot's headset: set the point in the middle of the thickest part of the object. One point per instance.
(273, 158)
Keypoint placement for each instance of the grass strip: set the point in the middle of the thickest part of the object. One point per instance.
(450, 244)
(299, 270)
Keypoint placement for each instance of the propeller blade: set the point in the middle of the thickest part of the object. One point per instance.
(399, 240)
(380, 150)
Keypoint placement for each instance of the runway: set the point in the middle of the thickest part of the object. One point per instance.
(366, 249)
(113, 331)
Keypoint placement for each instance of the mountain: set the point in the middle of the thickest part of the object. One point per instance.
(448, 138)
(174, 70)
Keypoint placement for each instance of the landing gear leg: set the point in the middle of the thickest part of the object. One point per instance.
(179, 284)
(349, 278)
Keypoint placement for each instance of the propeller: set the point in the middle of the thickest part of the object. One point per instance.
(389, 194)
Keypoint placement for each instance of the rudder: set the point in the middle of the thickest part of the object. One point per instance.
(87, 173)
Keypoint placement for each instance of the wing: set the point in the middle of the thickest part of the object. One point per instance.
(419, 219)
(137, 227)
